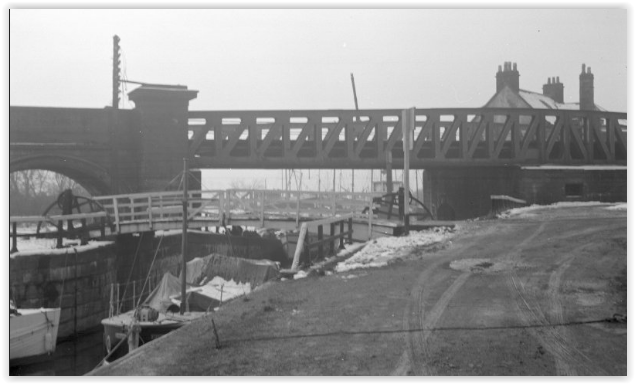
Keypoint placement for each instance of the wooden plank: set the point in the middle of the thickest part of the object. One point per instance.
(299, 247)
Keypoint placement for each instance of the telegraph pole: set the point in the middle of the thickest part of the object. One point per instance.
(407, 125)
(184, 236)
(354, 131)
(116, 71)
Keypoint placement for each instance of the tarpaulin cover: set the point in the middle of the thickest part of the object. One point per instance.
(255, 272)
(159, 298)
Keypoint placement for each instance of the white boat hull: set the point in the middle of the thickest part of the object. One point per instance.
(34, 332)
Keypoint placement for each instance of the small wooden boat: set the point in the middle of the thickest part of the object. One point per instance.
(32, 332)
(117, 328)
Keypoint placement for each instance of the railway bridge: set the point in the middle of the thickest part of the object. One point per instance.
(540, 156)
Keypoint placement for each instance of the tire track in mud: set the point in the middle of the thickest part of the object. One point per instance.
(557, 340)
(417, 354)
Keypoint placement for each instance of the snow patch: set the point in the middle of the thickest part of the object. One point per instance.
(384, 250)
(578, 167)
(33, 246)
(524, 211)
(300, 275)
(617, 207)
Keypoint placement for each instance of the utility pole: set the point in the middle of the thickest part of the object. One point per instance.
(407, 125)
(116, 71)
(184, 236)
(354, 132)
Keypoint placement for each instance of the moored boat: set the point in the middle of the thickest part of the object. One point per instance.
(32, 332)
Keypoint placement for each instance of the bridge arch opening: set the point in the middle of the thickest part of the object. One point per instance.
(92, 178)
(32, 192)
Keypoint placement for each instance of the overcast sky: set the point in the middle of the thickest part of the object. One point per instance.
(302, 59)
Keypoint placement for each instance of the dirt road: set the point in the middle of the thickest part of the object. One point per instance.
(524, 296)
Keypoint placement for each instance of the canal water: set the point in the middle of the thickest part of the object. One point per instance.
(71, 358)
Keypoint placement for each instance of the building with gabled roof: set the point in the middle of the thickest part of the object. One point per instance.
(509, 95)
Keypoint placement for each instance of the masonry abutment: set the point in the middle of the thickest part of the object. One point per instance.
(163, 130)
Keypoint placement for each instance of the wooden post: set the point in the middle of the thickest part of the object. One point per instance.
(262, 209)
(102, 227)
(297, 211)
(84, 233)
(400, 202)
(216, 338)
(372, 182)
(14, 247)
(60, 229)
(370, 219)
(320, 238)
(333, 180)
(350, 230)
(332, 242)
(334, 203)
(111, 311)
(388, 172)
(116, 209)
(342, 234)
(299, 247)
(221, 211)
(307, 248)
(407, 125)
(133, 336)
(150, 211)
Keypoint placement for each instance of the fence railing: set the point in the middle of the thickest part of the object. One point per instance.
(87, 221)
(304, 245)
(161, 206)
(208, 206)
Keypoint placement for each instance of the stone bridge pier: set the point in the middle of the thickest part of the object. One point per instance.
(163, 143)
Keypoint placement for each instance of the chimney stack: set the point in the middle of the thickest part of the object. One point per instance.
(587, 100)
(554, 89)
(508, 76)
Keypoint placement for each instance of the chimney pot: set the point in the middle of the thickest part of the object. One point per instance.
(587, 97)
(558, 79)
(507, 77)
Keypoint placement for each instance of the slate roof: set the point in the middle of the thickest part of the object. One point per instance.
(507, 98)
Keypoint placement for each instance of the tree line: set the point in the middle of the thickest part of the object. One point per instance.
(32, 191)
